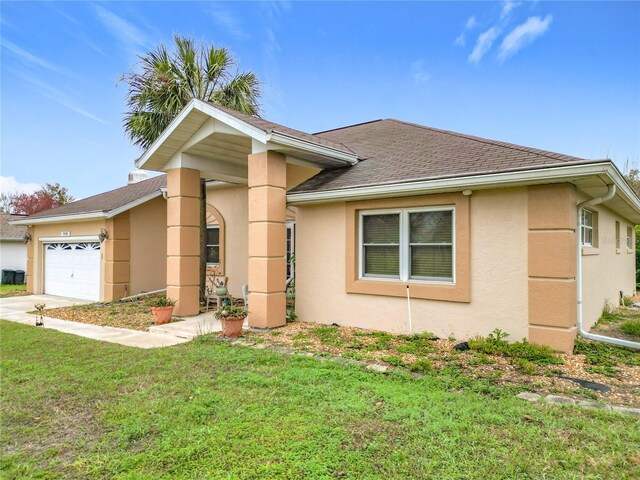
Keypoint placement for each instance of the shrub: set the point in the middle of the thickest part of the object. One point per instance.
(231, 311)
(526, 367)
(495, 344)
(605, 355)
(631, 328)
(161, 301)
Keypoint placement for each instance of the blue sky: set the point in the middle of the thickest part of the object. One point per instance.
(559, 76)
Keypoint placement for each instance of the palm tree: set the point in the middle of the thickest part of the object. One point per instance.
(167, 81)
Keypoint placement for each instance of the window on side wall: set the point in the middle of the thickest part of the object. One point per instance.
(587, 228)
(629, 238)
(213, 245)
(408, 244)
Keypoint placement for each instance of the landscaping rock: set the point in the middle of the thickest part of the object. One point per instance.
(596, 387)
(375, 367)
(260, 346)
(344, 361)
(462, 346)
(627, 411)
(529, 396)
(559, 400)
(588, 404)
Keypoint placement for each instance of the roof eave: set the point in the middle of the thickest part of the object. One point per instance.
(481, 181)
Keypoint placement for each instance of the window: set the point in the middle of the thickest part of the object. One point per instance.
(629, 238)
(213, 245)
(587, 228)
(408, 244)
(617, 235)
(291, 247)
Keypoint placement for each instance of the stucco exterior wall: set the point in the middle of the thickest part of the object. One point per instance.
(232, 203)
(605, 270)
(499, 274)
(13, 255)
(75, 229)
(148, 241)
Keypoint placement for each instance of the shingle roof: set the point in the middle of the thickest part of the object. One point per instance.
(269, 127)
(107, 201)
(392, 151)
(11, 232)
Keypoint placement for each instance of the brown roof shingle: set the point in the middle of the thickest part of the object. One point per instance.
(107, 201)
(11, 232)
(393, 151)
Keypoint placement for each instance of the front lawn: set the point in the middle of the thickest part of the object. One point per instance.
(73, 407)
(12, 290)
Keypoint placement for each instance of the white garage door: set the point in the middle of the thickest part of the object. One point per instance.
(72, 270)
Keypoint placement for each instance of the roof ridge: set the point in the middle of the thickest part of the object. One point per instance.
(350, 126)
(512, 146)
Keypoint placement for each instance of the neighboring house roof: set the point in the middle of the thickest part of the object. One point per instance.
(392, 152)
(104, 204)
(11, 232)
(270, 127)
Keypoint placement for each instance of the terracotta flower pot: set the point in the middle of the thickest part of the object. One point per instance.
(162, 314)
(232, 326)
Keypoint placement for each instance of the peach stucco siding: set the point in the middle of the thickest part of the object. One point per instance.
(499, 274)
(606, 271)
(148, 246)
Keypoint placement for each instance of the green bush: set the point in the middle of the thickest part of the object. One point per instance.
(422, 365)
(631, 328)
(605, 355)
(526, 367)
(495, 344)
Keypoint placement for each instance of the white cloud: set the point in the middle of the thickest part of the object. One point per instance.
(32, 60)
(483, 44)
(61, 98)
(418, 72)
(471, 23)
(523, 35)
(460, 40)
(228, 21)
(128, 35)
(507, 7)
(11, 185)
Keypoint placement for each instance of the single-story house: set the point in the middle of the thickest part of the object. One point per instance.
(395, 226)
(13, 249)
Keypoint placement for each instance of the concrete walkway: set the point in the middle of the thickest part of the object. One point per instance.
(191, 327)
(15, 309)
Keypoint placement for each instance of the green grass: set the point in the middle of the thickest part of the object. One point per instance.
(10, 290)
(525, 354)
(77, 408)
(631, 328)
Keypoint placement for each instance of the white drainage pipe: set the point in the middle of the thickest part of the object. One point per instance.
(581, 331)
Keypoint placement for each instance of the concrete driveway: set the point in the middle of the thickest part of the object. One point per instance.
(15, 309)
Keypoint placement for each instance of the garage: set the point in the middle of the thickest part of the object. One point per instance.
(72, 270)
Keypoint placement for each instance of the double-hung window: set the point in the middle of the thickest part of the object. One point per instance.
(586, 229)
(408, 244)
(213, 245)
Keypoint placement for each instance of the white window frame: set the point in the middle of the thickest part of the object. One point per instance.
(212, 264)
(584, 228)
(404, 245)
(291, 265)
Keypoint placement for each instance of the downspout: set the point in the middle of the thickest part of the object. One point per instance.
(583, 333)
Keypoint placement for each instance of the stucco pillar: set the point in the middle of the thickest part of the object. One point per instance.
(30, 264)
(183, 240)
(116, 253)
(552, 266)
(267, 239)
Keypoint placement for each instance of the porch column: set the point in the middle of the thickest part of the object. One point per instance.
(267, 239)
(183, 240)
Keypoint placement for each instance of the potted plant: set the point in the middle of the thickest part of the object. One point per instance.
(162, 309)
(231, 317)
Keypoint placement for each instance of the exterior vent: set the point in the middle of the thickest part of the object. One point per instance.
(136, 176)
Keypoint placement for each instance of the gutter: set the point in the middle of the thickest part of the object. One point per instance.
(581, 331)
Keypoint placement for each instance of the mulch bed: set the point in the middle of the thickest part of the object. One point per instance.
(399, 350)
(135, 315)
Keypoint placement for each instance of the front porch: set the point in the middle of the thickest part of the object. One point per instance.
(249, 165)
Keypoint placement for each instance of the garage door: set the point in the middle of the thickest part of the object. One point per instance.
(72, 270)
